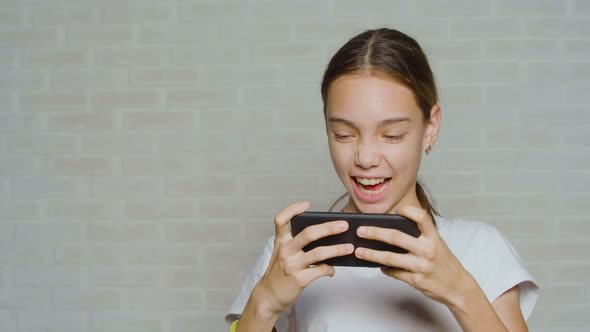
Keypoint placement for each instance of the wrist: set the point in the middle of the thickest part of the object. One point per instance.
(466, 287)
(265, 309)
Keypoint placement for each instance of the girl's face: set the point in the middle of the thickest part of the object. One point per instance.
(376, 134)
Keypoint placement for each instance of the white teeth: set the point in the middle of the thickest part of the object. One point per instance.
(369, 182)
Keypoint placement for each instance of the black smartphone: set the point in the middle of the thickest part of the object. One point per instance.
(355, 220)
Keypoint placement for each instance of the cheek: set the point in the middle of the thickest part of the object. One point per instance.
(342, 155)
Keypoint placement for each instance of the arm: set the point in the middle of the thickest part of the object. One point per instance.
(256, 316)
(474, 312)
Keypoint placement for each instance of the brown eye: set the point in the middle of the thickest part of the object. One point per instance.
(393, 138)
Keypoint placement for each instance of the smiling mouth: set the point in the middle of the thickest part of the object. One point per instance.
(371, 186)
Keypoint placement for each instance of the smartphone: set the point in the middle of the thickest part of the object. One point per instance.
(355, 220)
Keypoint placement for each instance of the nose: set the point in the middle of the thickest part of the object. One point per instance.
(367, 154)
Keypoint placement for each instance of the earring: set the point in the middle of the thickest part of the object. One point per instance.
(428, 148)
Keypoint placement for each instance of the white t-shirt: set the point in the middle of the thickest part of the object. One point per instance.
(365, 299)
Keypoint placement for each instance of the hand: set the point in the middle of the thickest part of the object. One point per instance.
(289, 270)
(429, 265)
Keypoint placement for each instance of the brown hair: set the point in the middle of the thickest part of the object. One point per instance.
(395, 54)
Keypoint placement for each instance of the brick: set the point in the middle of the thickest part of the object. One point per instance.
(128, 57)
(7, 103)
(553, 251)
(36, 276)
(576, 94)
(137, 13)
(219, 162)
(387, 9)
(98, 34)
(243, 118)
(164, 255)
(204, 233)
(18, 166)
(29, 37)
(238, 256)
(576, 138)
(89, 255)
(561, 28)
(163, 165)
(19, 210)
(234, 76)
(208, 11)
(208, 53)
(187, 278)
(78, 122)
(125, 277)
(275, 185)
(550, 116)
(457, 137)
(19, 122)
(7, 321)
(200, 142)
(573, 227)
(122, 232)
(22, 80)
(82, 166)
(51, 102)
(61, 232)
(32, 144)
(204, 321)
(78, 209)
(20, 253)
(517, 137)
(578, 72)
(523, 227)
(12, 16)
(581, 7)
(52, 318)
(492, 72)
(288, 54)
(87, 299)
(463, 8)
(113, 144)
(103, 101)
(537, 94)
(485, 28)
(165, 299)
(47, 14)
(454, 183)
(219, 185)
(576, 49)
(124, 187)
(83, 79)
(18, 298)
(54, 58)
(237, 31)
(170, 121)
(529, 8)
(526, 50)
(492, 115)
(156, 209)
(453, 50)
(164, 77)
(201, 98)
(219, 299)
(125, 320)
(177, 34)
(515, 182)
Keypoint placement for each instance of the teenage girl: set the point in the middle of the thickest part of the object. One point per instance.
(381, 111)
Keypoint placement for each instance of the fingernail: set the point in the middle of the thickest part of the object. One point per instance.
(362, 231)
(342, 224)
(360, 252)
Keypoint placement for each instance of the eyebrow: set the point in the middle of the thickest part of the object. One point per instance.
(381, 123)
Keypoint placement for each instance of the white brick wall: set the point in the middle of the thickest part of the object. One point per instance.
(146, 146)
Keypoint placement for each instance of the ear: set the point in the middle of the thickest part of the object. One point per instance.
(432, 127)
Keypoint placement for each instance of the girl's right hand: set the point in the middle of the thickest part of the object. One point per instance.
(289, 270)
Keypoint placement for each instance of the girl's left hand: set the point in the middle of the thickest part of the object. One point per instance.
(429, 265)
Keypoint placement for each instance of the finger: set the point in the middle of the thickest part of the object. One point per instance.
(418, 215)
(284, 216)
(316, 232)
(321, 253)
(400, 274)
(388, 258)
(390, 236)
(307, 276)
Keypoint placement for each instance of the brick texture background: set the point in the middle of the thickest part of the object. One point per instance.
(145, 146)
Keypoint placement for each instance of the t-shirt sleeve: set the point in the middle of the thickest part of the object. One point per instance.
(500, 268)
(284, 322)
